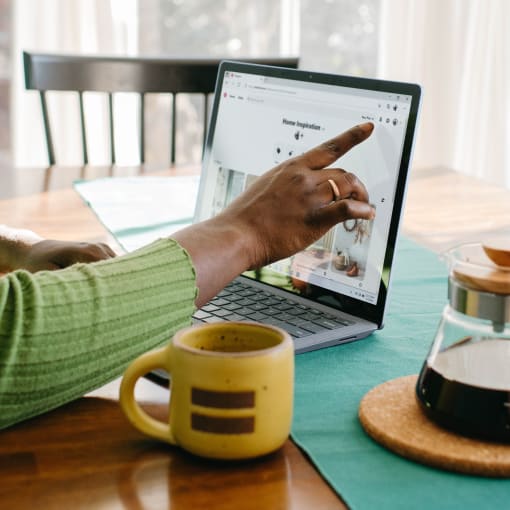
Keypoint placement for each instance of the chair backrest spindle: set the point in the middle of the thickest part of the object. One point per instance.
(112, 128)
(206, 120)
(142, 127)
(173, 134)
(83, 130)
(47, 128)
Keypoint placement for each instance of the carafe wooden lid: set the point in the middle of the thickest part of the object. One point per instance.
(498, 250)
(484, 279)
(483, 266)
(390, 414)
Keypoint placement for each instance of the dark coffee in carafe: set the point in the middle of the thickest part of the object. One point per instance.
(466, 388)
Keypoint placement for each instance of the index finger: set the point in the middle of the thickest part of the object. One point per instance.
(328, 152)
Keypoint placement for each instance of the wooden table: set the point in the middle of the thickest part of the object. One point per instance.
(445, 208)
(86, 455)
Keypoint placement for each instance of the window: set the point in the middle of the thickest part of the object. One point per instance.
(328, 35)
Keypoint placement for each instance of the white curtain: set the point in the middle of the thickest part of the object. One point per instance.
(74, 27)
(290, 23)
(459, 51)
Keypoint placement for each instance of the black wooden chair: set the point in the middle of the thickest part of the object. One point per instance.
(53, 72)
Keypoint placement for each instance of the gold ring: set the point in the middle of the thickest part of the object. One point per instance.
(334, 189)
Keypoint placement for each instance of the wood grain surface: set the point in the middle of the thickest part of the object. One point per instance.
(86, 455)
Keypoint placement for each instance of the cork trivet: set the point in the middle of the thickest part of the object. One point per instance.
(390, 414)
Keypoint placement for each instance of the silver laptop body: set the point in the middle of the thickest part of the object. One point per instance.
(336, 290)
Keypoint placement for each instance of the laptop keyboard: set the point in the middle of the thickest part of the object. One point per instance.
(238, 302)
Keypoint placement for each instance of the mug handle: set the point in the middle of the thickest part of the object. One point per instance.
(136, 415)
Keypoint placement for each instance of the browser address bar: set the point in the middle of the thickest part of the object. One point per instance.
(323, 97)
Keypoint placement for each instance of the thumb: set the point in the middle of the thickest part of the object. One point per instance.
(342, 210)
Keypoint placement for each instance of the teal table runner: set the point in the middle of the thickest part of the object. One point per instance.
(139, 210)
(331, 382)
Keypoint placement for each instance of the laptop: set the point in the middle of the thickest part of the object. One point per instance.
(337, 289)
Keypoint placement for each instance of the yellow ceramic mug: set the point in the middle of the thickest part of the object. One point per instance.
(232, 386)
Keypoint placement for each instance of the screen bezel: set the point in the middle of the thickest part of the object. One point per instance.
(371, 312)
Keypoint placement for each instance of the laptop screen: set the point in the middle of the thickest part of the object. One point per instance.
(262, 116)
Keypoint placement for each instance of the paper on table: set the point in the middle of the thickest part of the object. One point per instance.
(139, 210)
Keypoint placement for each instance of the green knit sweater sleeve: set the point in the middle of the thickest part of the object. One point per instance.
(64, 333)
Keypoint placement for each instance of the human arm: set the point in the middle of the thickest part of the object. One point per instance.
(64, 333)
(12, 242)
(283, 212)
(23, 249)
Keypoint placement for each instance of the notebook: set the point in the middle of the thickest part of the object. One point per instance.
(337, 289)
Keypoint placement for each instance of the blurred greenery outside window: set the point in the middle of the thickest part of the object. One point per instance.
(338, 36)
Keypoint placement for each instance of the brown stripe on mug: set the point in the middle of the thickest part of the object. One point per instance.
(220, 425)
(223, 399)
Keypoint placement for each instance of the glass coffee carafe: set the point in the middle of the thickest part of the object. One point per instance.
(464, 383)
